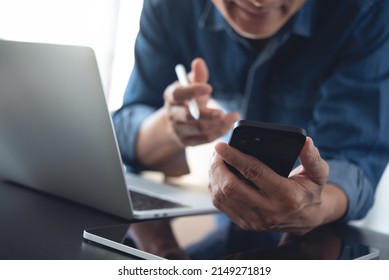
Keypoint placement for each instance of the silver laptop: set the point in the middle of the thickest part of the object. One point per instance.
(56, 134)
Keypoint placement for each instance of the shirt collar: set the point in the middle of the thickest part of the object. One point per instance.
(303, 20)
(211, 19)
(301, 24)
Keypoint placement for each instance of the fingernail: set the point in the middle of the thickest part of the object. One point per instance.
(311, 147)
(313, 150)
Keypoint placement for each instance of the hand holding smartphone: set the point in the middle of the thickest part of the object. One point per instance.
(277, 146)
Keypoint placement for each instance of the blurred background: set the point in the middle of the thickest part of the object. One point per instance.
(108, 26)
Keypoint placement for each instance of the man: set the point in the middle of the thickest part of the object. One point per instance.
(317, 64)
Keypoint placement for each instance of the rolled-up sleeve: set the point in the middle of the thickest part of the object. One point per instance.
(126, 123)
(356, 186)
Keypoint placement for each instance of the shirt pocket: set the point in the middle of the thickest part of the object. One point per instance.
(291, 102)
(228, 97)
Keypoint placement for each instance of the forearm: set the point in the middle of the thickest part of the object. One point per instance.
(334, 203)
(157, 147)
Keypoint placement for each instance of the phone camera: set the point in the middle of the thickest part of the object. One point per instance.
(245, 140)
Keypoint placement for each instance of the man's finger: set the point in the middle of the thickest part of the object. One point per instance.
(251, 168)
(199, 72)
(315, 167)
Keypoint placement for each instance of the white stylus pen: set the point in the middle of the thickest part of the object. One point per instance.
(183, 79)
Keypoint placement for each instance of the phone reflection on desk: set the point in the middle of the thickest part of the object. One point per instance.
(155, 240)
(323, 243)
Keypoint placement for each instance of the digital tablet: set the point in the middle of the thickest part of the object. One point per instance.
(324, 243)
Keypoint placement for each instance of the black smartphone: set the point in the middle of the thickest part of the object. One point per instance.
(278, 146)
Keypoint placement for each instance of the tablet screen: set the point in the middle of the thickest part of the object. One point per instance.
(323, 243)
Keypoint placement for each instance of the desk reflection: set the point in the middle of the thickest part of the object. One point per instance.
(323, 243)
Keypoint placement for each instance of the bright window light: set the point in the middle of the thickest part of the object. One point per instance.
(108, 26)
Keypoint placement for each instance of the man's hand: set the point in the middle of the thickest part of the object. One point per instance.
(212, 124)
(296, 204)
(172, 127)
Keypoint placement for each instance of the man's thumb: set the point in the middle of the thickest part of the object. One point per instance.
(314, 166)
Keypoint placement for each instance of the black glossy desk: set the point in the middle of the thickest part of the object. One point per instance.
(39, 226)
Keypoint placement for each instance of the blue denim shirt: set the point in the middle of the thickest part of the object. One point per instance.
(326, 70)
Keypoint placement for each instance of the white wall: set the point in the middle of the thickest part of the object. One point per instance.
(108, 26)
(127, 29)
(378, 217)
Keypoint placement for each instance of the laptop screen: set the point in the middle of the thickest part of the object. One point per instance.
(56, 130)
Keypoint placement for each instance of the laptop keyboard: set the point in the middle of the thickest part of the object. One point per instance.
(142, 201)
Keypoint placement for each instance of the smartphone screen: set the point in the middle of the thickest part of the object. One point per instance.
(277, 146)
